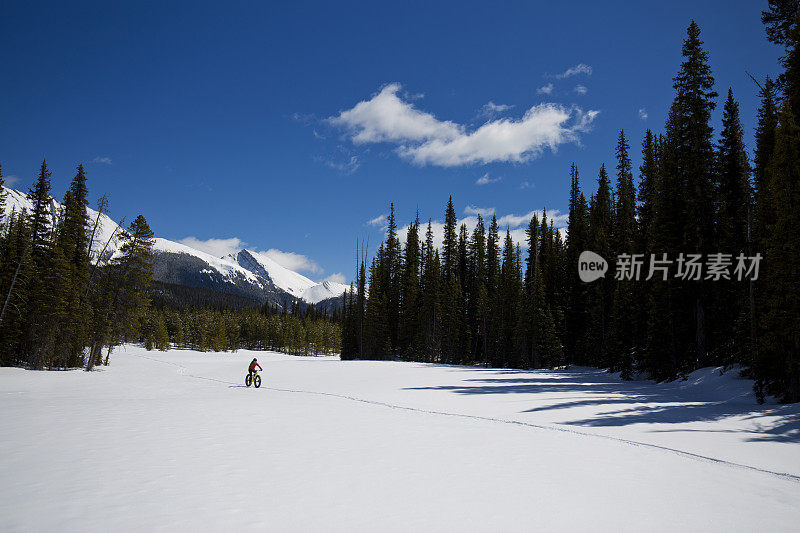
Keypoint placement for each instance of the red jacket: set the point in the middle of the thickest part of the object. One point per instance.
(253, 366)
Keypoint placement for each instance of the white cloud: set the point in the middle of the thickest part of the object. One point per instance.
(104, 160)
(643, 113)
(527, 185)
(385, 117)
(491, 109)
(215, 247)
(346, 168)
(581, 89)
(516, 224)
(515, 221)
(547, 89)
(337, 278)
(10, 181)
(486, 180)
(425, 140)
(482, 211)
(580, 68)
(378, 221)
(293, 261)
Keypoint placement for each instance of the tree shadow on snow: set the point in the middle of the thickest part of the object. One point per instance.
(699, 399)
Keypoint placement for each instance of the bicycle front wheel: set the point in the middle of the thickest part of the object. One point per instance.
(248, 379)
(257, 381)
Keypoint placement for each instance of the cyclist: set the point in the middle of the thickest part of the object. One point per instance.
(253, 365)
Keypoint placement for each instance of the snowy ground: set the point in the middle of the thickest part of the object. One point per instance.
(173, 442)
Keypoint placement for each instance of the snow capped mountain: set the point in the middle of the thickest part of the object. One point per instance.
(182, 265)
(249, 273)
(324, 291)
(262, 265)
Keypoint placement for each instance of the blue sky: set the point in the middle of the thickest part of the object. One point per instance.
(290, 127)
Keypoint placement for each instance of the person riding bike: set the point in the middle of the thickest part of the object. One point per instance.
(253, 365)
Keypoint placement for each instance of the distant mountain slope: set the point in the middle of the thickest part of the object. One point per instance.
(248, 274)
(323, 291)
(263, 266)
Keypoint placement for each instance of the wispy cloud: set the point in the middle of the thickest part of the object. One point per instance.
(10, 181)
(580, 68)
(491, 110)
(527, 185)
(104, 160)
(423, 139)
(346, 168)
(580, 89)
(482, 211)
(378, 221)
(304, 118)
(547, 89)
(486, 180)
(643, 113)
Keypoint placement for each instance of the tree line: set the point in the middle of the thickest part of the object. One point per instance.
(294, 331)
(66, 296)
(479, 299)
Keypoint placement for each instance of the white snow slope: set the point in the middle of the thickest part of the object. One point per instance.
(264, 266)
(323, 291)
(173, 442)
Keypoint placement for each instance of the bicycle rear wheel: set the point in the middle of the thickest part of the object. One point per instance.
(248, 379)
(257, 381)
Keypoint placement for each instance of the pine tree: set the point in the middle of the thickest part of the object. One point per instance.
(429, 341)
(731, 321)
(765, 132)
(689, 135)
(450, 243)
(44, 304)
(392, 272)
(622, 335)
(600, 293)
(479, 300)
(410, 290)
(72, 244)
(492, 332)
(782, 22)
(377, 330)
(575, 345)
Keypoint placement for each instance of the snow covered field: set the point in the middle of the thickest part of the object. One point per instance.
(174, 442)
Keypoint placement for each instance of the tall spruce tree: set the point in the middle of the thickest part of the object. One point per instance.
(600, 293)
(730, 320)
(622, 330)
(410, 290)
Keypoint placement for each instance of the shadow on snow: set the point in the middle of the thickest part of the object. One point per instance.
(704, 397)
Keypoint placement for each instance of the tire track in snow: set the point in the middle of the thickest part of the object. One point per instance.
(689, 455)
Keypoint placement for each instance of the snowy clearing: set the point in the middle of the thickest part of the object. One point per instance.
(174, 442)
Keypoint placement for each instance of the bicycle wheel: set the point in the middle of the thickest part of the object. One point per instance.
(248, 379)
(257, 381)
